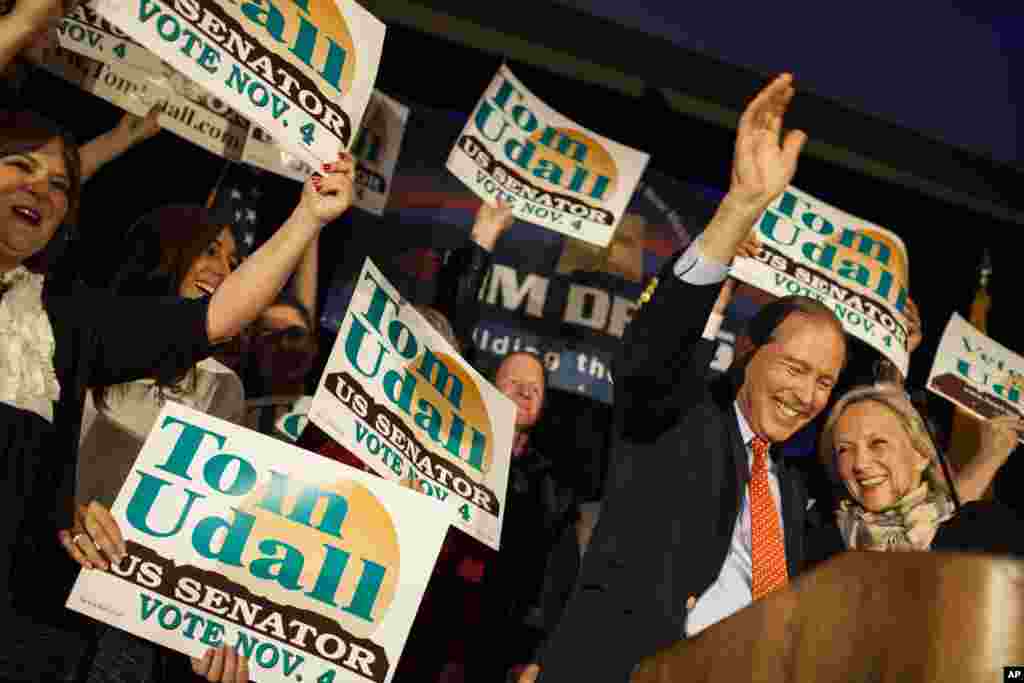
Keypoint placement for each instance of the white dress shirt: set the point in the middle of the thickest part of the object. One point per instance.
(731, 591)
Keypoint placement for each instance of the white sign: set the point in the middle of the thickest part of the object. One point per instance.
(552, 171)
(400, 398)
(302, 70)
(981, 376)
(856, 268)
(311, 569)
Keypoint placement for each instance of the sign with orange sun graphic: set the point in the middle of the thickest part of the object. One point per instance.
(552, 171)
(858, 269)
(311, 569)
(398, 396)
(301, 70)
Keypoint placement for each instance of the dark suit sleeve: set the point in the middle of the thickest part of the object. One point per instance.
(458, 284)
(662, 363)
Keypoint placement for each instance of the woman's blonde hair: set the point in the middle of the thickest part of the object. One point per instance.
(893, 397)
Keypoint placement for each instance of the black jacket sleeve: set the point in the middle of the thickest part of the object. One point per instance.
(131, 337)
(458, 285)
(662, 362)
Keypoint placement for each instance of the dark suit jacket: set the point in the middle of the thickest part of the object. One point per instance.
(672, 501)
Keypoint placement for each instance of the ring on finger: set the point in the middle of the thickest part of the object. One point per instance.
(77, 537)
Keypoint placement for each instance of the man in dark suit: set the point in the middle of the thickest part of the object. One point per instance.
(691, 531)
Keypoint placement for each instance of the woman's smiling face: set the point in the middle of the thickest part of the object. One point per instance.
(875, 456)
(211, 267)
(34, 189)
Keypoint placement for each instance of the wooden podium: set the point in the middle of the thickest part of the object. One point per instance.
(866, 617)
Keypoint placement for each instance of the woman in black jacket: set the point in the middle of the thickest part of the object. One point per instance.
(59, 338)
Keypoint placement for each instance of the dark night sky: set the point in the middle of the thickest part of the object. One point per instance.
(947, 68)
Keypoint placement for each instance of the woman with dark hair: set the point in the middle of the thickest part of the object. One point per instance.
(59, 338)
(184, 251)
(178, 250)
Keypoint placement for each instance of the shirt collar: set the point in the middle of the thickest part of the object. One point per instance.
(745, 431)
(747, 434)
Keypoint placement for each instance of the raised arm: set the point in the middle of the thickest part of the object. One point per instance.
(886, 370)
(306, 277)
(657, 359)
(999, 438)
(464, 269)
(490, 224)
(764, 162)
(173, 334)
(257, 282)
(27, 22)
(130, 131)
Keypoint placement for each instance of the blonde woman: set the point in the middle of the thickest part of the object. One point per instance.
(897, 498)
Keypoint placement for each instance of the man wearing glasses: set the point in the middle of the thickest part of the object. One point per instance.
(538, 511)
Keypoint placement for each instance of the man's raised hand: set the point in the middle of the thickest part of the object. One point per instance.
(765, 160)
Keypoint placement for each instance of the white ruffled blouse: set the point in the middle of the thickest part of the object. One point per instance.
(27, 377)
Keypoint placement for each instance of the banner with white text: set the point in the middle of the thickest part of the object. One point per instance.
(552, 171)
(302, 70)
(311, 569)
(856, 268)
(400, 398)
(976, 373)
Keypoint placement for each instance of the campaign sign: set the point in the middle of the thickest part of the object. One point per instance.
(552, 171)
(398, 396)
(311, 569)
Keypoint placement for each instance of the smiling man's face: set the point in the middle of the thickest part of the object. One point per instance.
(789, 380)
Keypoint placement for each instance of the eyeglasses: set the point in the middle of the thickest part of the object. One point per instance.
(524, 389)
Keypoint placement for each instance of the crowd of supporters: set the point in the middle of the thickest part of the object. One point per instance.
(698, 517)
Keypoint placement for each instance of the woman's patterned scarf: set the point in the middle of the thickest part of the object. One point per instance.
(910, 524)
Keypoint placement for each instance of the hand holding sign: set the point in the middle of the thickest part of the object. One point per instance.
(914, 333)
(222, 665)
(328, 195)
(95, 534)
(750, 247)
(26, 30)
(35, 13)
(529, 674)
(999, 438)
(132, 129)
(491, 222)
(764, 162)
(33, 16)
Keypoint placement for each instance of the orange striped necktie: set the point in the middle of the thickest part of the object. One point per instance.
(768, 550)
